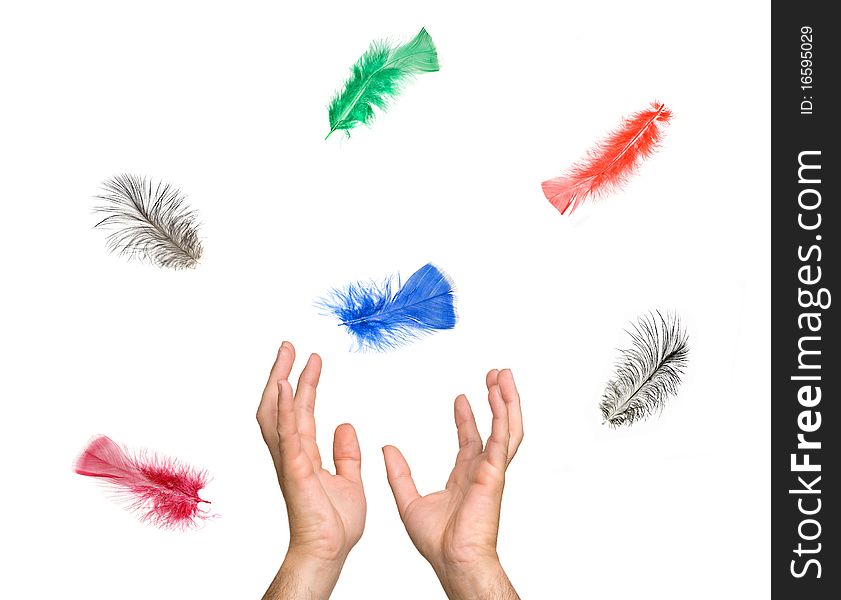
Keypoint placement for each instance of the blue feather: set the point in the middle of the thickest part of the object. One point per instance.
(381, 318)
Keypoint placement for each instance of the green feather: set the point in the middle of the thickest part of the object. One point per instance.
(378, 77)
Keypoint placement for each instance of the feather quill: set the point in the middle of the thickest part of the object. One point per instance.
(162, 491)
(384, 316)
(648, 372)
(610, 163)
(378, 77)
(149, 222)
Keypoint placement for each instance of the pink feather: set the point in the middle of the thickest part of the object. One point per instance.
(162, 491)
(611, 162)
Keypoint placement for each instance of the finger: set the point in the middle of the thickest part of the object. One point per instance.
(293, 460)
(282, 366)
(469, 440)
(267, 410)
(508, 389)
(497, 446)
(400, 479)
(491, 378)
(346, 455)
(305, 407)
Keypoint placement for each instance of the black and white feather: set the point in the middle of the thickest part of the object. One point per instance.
(149, 221)
(647, 373)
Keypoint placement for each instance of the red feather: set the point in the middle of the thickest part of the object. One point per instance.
(163, 491)
(611, 162)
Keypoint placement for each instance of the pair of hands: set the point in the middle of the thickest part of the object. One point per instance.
(454, 529)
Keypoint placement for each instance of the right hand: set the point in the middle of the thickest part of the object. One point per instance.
(326, 512)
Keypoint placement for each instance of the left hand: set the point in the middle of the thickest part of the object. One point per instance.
(456, 528)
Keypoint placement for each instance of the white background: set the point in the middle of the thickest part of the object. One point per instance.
(228, 103)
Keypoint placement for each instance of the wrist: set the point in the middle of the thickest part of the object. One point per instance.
(305, 577)
(479, 580)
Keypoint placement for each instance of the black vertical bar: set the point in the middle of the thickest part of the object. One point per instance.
(805, 561)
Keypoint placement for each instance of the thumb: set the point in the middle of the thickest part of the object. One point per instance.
(346, 455)
(400, 479)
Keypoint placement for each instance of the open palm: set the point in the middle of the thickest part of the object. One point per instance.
(326, 512)
(457, 527)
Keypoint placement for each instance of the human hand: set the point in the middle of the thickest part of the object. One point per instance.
(456, 529)
(326, 512)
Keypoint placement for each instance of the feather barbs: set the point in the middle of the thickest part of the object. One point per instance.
(610, 163)
(149, 221)
(377, 77)
(162, 491)
(649, 372)
(383, 316)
